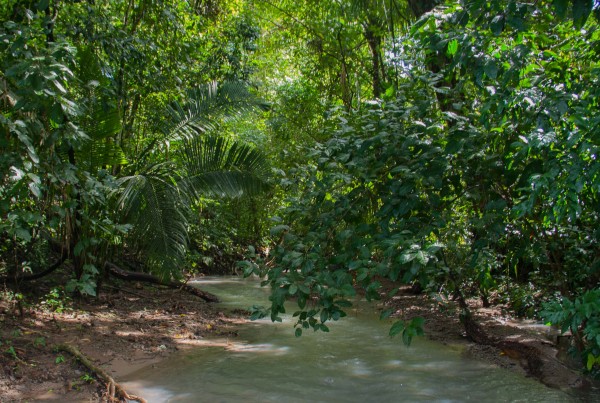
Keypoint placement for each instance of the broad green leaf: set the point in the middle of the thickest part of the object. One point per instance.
(23, 234)
(397, 328)
(560, 7)
(386, 313)
(43, 5)
(491, 69)
(497, 24)
(452, 47)
(279, 229)
(591, 360)
(581, 12)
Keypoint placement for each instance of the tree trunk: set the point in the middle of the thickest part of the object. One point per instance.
(420, 7)
(374, 41)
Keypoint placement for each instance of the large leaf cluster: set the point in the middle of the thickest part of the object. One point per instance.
(477, 172)
(104, 149)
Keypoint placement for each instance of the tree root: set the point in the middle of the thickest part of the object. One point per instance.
(118, 272)
(29, 277)
(114, 391)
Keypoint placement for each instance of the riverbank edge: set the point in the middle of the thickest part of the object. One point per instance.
(126, 329)
(518, 339)
(122, 330)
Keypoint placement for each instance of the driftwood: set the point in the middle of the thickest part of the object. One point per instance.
(114, 390)
(118, 272)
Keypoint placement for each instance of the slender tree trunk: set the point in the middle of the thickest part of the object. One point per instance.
(344, 84)
(374, 41)
(74, 227)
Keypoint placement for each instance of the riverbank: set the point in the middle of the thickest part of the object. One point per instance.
(515, 340)
(120, 331)
(132, 327)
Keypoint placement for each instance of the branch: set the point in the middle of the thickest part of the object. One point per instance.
(113, 389)
(16, 279)
(149, 278)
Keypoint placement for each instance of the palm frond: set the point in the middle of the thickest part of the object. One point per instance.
(206, 104)
(102, 150)
(102, 121)
(216, 166)
(152, 202)
(157, 201)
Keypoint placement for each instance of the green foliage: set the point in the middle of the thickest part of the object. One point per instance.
(7, 347)
(39, 342)
(523, 299)
(473, 170)
(86, 283)
(408, 329)
(355, 217)
(86, 110)
(580, 316)
(476, 175)
(56, 300)
(158, 199)
(88, 378)
(10, 350)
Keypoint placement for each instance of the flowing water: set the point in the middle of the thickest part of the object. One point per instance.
(355, 362)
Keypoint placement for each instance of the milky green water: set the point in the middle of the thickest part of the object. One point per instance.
(355, 362)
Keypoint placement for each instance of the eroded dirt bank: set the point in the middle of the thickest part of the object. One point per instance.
(523, 346)
(121, 331)
(124, 330)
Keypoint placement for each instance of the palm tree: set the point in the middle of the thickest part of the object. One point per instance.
(157, 199)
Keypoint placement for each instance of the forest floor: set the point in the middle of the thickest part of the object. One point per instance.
(136, 326)
(120, 331)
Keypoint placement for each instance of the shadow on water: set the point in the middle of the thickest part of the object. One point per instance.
(355, 362)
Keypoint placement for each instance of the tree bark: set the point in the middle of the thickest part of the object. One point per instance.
(420, 7)
(374, 40)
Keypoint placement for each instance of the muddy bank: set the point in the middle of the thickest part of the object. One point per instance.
(124, 330)
(121, 331)
(523, 346)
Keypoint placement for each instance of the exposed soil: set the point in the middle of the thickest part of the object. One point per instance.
(516, 340)
(120, 331)
(124, 330)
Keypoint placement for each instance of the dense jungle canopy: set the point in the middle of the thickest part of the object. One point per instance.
(331, 146)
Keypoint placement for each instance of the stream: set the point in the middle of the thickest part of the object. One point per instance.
(355, 362)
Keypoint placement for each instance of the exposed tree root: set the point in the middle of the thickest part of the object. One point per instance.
(114, 391)
(28, 277)
(149, 278)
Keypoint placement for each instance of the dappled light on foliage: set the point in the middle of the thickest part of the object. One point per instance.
(336, 149)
